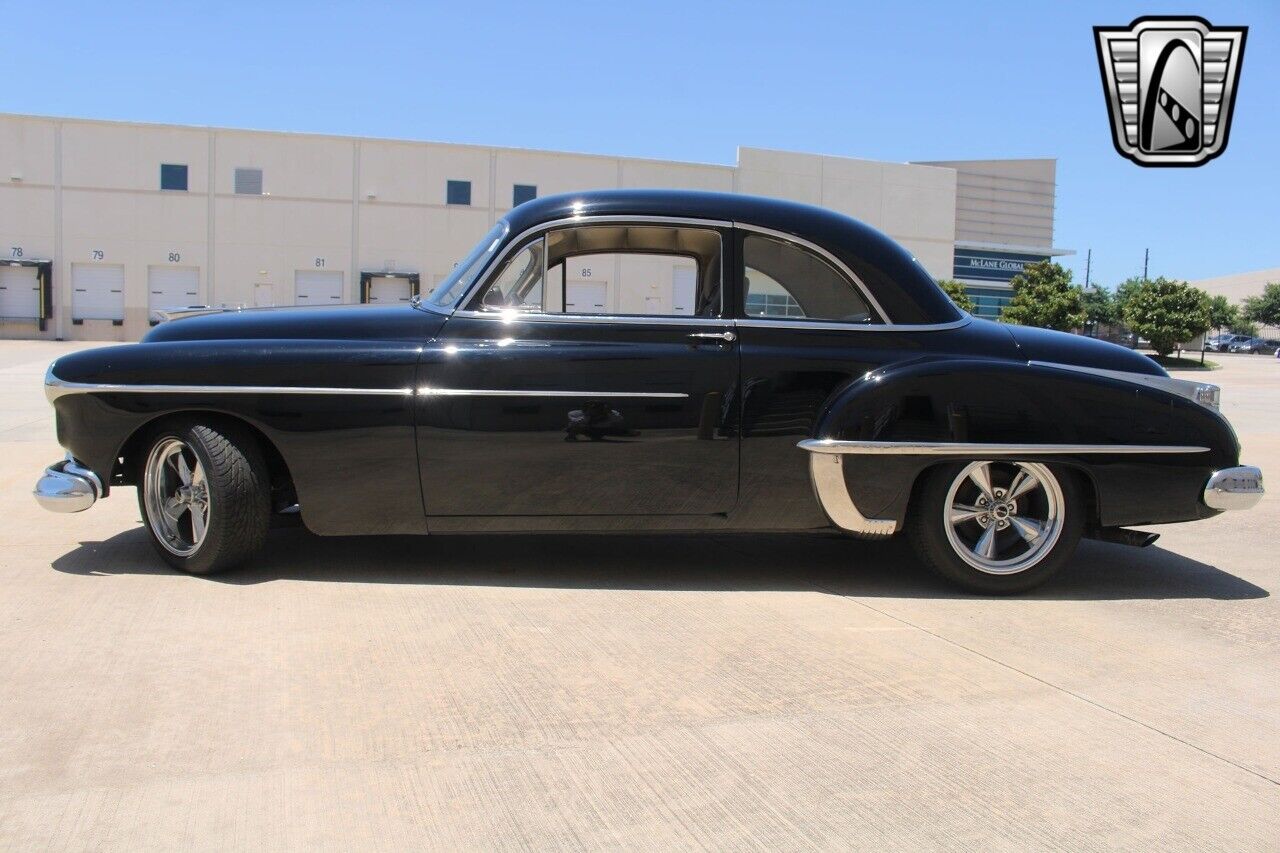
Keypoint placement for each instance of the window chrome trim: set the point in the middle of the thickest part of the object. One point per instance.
(500, 258)
(513, 316)
(828, 446)
(428, 391)
(825, 255)
(841, 326)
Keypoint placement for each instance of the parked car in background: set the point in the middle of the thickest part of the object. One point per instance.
(1256, 346)
(648, 360)
(1222, 343)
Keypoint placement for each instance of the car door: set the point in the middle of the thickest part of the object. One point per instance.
(551, 391)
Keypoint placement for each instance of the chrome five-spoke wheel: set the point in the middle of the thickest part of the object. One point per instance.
(997, 526)
(1004, 517)
(176, 492)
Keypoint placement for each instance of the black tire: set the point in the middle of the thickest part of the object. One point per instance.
(927, 530)
(237, 486)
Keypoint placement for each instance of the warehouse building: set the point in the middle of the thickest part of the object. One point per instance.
(103, 223)
(1240, 286)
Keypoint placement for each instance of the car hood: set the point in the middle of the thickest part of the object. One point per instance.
(336, 322)
(1077, 350)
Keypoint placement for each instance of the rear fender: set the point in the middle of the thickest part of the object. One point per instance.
(879, 433)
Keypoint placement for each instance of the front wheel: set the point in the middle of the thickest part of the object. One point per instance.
(996, 527)
(205, 495)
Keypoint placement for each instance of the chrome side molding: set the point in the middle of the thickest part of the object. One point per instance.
(981, 451)
(827, 473)
(68, 486)
(1234, 488)
(55, 388)
(430, 391)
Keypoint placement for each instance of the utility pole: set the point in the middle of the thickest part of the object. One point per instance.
(1088, 264)
(1146, 256)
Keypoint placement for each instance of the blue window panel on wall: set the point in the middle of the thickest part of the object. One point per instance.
(457, 192)
(521, 193)
(988, 301)
(173, 176)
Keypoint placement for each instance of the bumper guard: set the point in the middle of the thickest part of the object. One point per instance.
(68, 486)
(1234, 488)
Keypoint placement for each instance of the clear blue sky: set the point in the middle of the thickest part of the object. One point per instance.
(690, 81)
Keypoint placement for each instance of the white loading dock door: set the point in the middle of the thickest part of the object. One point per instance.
(389, 288)
(317, 287)
(684, 283)
(172, 287)
(19, 293)
(586, 297)
(97, 292)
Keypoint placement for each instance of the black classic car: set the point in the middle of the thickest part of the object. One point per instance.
(648, 361)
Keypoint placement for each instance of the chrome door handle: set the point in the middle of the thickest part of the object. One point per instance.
(727, 337)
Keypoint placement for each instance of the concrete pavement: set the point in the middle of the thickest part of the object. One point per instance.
(759, 692)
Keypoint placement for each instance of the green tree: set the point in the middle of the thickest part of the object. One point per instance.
(1125, 291)
(1099, 306)
(1222, 314)
(1166, 312)
(1265, 309)
(1244, 327)
(1044, 296)
(958, 294)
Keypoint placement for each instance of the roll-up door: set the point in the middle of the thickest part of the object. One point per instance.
(318, 287)
(97, 292)
(390, 288)
(19, 293)
(583, 297)
(172, 287)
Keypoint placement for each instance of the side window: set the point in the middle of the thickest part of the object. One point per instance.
(640, 270)
(519, 285)
(781, 279)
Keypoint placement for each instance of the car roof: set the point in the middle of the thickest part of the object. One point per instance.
(895, 278)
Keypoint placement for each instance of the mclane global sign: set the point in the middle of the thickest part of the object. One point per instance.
(979, 265)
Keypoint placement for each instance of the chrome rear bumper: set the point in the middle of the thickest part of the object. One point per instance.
(1234, 488)
(68, 486)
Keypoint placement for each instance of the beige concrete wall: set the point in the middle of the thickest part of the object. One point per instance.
(915, 205)
(1239, 286)
(79, 191)
(1006, 202)
(27, 201)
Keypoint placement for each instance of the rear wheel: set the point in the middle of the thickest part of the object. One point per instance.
(204, 495)
(996, 527)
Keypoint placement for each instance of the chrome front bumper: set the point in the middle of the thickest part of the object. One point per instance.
(1234, 488)
(68, 486)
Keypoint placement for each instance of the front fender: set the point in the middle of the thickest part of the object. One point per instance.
(338, 413)
(1066, 416)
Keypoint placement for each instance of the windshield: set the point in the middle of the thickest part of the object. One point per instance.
(465, 271)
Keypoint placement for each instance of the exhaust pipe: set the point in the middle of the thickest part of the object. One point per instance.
(1125, 536)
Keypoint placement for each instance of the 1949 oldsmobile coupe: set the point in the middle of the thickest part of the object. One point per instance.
(644, 361)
